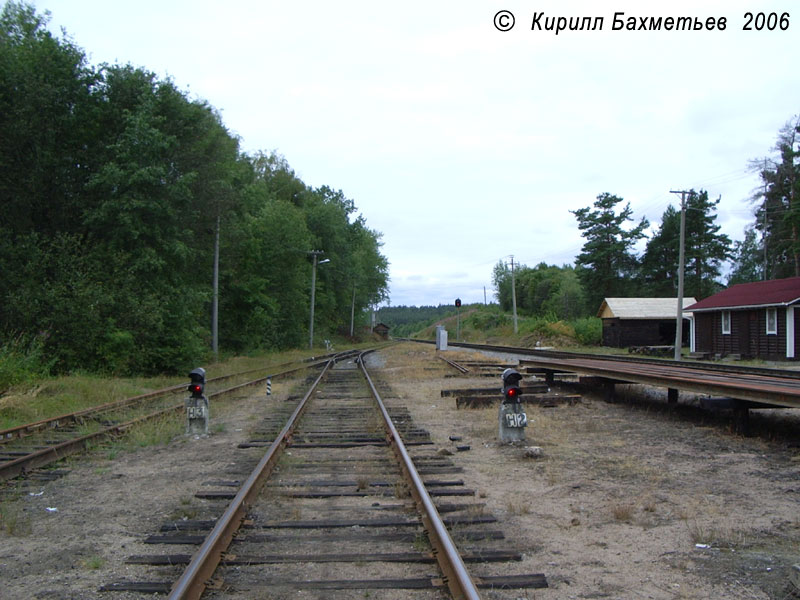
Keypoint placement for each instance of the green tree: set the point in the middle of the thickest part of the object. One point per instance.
(115, 186)
(659, 267)
(778, 217)
(607, 264)
(541, 290)
(706, 248)
(47, 125)
(704, 252)
(747, 264)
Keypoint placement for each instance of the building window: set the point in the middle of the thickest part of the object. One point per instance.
(772, 321)
(726, 322)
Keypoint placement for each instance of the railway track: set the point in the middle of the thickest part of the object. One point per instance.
(34, 445)
(748, 387)
(629, 359)
(349, 498)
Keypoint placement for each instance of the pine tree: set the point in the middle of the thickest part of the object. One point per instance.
(606, 264)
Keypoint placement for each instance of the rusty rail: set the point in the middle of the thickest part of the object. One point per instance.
(204, 562)
(450, 562)
(454, 364)
(775, 387)
(56, 452)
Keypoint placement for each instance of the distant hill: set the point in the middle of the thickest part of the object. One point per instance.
(404, 321)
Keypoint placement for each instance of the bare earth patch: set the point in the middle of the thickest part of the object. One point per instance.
(627, 501)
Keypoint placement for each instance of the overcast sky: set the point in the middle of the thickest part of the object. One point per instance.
(463, 144)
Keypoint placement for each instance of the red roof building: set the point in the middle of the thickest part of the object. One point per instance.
(754, 320)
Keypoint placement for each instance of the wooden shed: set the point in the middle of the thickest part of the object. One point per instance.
(641, 321)
(382, 330)
(753, 320)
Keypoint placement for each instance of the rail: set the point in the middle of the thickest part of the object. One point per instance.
(192, 582)
(55, 452)
(450, 562)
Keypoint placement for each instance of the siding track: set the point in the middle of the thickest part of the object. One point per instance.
(33, 445)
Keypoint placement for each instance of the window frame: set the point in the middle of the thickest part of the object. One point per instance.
(772, 311)
(726, 322)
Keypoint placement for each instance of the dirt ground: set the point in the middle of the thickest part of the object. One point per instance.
(628, 500)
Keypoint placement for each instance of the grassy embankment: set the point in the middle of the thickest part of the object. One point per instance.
(35, 396)
(488, 325)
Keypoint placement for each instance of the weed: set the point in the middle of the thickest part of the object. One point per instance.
(12, 518)
(156, 432)
(93, 562)
(518, 507)
(401, 490)
(421, 542)
(623, 512)
(186, 510)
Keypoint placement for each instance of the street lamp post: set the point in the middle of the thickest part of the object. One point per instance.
(314, 254)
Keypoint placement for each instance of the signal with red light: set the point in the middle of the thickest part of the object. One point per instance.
(198, 382)
(511, 390)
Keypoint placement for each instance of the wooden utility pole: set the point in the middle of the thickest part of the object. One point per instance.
(314, 254)
(513, 294)
(215, 298)
(679, 317)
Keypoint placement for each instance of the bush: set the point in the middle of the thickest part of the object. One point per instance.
(589, 331)
(489, 320)
(21, 361)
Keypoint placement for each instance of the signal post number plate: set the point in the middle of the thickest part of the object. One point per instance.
(196, 412)
(516, 419)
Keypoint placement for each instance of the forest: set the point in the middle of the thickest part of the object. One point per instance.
(116, 188)
(119, 192)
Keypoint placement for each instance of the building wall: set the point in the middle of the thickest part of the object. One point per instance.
(621, 333)
(748, 335)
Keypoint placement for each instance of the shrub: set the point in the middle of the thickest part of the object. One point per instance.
(21, 361)
(589, 331)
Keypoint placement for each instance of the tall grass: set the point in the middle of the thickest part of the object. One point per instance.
(22, 361)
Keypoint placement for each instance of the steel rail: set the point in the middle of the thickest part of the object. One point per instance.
(21, 431)
(204, 562)
(54, 453)
(768, 388)
(703, 366)
(454, 364)
(454, 571)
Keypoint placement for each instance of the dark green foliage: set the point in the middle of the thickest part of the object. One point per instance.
(113, 184)
(606, 265)
(404, 321)
(659, 269)
(22, 359)
(541, 290)
(588, 331)
(489, 319)
(748, 259)
(778, 216)
(705, 249)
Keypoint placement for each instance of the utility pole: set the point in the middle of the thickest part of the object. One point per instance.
(513, 295)
(765, 219)
(314, 254)
(215, 299)
(679, 317)
(352, 309)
